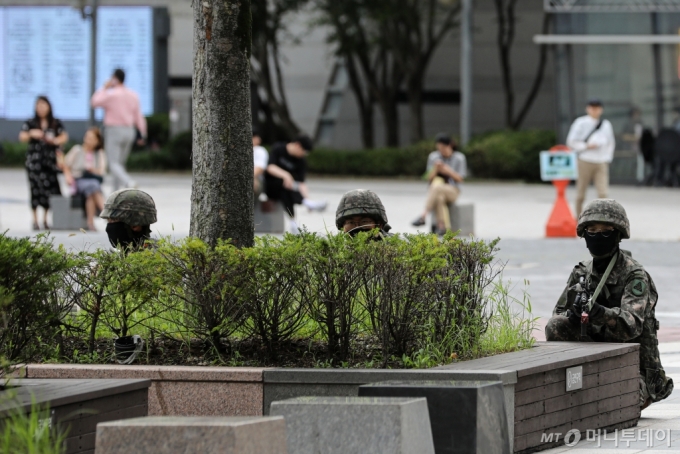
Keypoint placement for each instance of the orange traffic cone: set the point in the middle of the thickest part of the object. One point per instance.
(561, 223)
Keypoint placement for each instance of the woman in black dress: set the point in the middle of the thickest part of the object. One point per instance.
(44, 135)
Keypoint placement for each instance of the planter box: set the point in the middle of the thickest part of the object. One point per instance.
(177, 390)
(608, 398)
(79, 405)
(534, 385)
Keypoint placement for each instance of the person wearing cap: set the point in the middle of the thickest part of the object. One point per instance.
(361, 210)
(592, 138)
(285, 177)
(130, 213)
(446, 170)
(612, 298)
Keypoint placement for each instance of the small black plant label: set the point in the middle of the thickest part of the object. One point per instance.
(574, 378)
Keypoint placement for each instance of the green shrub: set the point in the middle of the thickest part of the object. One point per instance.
(411, 300)
(176, 155)
(407, 161)
(497, 155)
(158, 129)
(32, 275)
(508, 154)
(13, 155)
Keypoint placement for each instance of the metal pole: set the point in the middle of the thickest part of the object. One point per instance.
(658, 74)
(93, 55)
(466, 72)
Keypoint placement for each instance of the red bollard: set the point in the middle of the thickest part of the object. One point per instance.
(561, 223)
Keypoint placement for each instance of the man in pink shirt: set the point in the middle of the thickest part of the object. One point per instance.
(121, 115)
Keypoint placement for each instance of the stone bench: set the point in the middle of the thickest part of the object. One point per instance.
(356, 425)
(271, 221)
(205, 435)
(65, 216)
(462, 217)
(79, 405)
(467, 417)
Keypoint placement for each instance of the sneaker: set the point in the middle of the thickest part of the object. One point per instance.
(294, 227)
(418, 222)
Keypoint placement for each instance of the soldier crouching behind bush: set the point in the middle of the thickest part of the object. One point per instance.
(361, 210)
(623, 306)
(130, 213)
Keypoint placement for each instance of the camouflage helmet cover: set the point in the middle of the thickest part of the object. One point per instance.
(360, 202)
(606, 211)
(131, 206)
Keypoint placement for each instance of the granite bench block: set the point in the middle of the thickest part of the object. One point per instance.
(204, 435)
(466, 416)
(356, 425)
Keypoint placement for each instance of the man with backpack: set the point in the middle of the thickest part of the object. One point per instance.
(592, 138)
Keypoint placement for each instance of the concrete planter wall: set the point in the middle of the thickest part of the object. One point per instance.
(533, 380)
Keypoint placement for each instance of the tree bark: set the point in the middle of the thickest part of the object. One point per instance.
(505, 38)
(364, 100)
(222, 185)
(538, 80)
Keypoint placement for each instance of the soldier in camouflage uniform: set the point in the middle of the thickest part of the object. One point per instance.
(361, 210)
(130, 213)
(624, 309)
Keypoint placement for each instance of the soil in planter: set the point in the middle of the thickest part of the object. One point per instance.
(169, 351)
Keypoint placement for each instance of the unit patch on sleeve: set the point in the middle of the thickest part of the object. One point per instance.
(639, 287)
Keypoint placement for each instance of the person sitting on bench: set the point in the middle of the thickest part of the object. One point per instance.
(84, 167)
(446, 169)
(285, 177)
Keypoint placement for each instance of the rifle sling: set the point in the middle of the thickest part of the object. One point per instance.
(603, 279)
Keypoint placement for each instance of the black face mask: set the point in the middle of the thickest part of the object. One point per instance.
(600, 246)
(121, 235)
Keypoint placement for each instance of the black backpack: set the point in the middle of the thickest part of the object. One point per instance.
(647, 142)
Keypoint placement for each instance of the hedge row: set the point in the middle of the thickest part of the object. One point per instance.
(496, 155)
(406, 295)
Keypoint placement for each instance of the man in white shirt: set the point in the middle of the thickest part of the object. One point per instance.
(261, 158)
(592, 138)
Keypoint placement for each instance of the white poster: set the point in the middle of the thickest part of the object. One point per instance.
(46, 53)
(125, 41)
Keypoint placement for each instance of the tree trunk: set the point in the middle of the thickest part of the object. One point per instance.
(364, 101)
(390, 113)
(538, 80)
(415, 103)
(222, 186)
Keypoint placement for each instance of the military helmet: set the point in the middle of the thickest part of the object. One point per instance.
(360, 202)
(131, 206)
(606, 211)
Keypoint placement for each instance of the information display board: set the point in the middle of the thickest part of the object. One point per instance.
(45, 50)
(558, 165)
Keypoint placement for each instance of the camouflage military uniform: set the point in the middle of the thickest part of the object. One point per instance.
(362, 202)
(629, 300)
(126, 209)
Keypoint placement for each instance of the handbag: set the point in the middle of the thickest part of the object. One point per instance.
(88, 174)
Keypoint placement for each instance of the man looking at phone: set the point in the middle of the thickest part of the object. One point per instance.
(446, 170)
(122, 113)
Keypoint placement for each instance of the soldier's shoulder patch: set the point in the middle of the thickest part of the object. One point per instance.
(638, 287)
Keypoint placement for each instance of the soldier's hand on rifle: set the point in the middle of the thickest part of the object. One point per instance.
(574, 315)
(596, 313)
